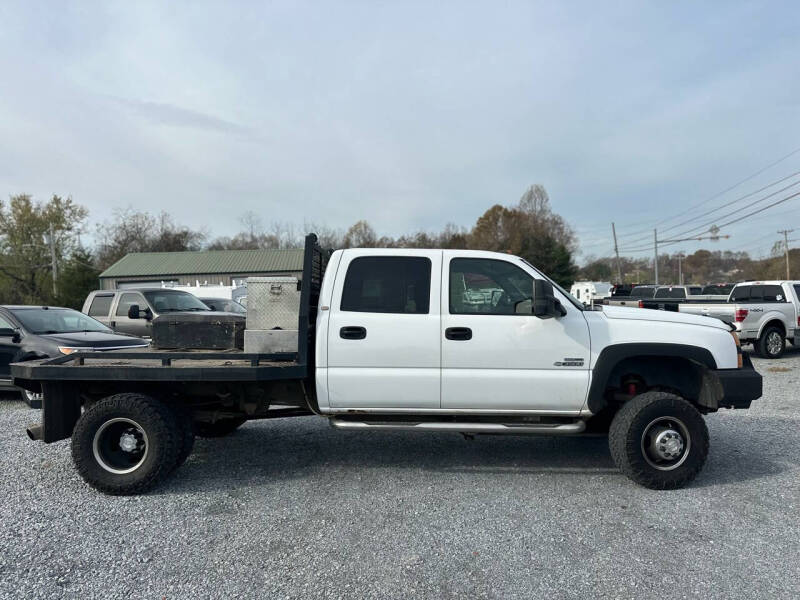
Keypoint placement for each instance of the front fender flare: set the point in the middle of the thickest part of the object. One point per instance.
(612, 355)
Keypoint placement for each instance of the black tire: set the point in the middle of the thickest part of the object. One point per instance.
(97, 444)
(219, 428)
(184, 422)
(771, 344)
(644, 430)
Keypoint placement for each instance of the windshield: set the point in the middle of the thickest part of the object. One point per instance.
(56, 320)
(164, 301)
(223, 305)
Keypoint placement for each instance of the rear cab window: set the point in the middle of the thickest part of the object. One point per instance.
(642, 292)
(668, 292)
(101, 305)
(753, 294)
(388, 284)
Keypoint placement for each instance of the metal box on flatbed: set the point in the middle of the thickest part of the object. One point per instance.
(273, 302)
(221, 331)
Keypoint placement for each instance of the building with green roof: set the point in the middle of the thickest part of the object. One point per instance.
(213, 267)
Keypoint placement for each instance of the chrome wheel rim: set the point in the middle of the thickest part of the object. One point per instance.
(666, 443)
(31, 396)
(774, 343)
(120, 446)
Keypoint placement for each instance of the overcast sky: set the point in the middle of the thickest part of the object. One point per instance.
(408, 115)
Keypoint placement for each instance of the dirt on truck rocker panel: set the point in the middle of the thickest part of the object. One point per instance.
(413, 340)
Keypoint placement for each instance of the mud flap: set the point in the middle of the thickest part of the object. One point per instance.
(61, 408)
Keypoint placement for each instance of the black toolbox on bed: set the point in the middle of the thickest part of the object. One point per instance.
(199, 331)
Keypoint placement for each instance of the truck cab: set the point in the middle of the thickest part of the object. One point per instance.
(452, 331)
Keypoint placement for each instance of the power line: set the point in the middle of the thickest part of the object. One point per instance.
(718, 194)
(727, 205)
(700, 228)
(731, 203)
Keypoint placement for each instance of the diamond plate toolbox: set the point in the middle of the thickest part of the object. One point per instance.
(273, 302)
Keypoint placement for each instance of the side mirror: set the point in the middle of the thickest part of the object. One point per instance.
(7, 332)
(545, 304)
(134, 312)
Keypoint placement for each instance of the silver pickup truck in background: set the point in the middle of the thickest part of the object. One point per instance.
(765, 313)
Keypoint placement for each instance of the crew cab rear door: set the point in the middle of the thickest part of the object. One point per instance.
(494, 358)
(383, 331)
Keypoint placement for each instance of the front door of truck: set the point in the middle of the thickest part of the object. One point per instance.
(120, 321)
(383, 332)
(496, 357)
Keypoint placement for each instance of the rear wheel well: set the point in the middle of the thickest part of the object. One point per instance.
(774, 323)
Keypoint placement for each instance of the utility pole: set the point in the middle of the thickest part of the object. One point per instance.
(786, 233)
(616, 251)
(51, 240)
(680, 271)
(655, 259)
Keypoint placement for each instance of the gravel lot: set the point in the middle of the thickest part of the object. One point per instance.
(296, 509)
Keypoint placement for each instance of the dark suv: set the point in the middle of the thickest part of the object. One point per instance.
(29, 332)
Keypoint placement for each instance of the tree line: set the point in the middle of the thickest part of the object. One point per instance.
(700, 267)
(45, 259)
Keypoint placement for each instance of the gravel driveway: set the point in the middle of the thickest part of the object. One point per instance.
(295, 509)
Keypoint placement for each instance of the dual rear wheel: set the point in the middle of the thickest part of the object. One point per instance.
(128, 443)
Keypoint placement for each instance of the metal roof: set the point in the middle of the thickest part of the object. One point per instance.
(223, 262)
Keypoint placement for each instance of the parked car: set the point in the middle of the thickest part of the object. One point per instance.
(765, 313)
(29, 332)
(114, 307)
(393, 340)
(223, 305)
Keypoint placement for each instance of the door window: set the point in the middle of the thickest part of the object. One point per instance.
(5, 324)
(486, 286)
(128, 300)
(101, 306)
(388, 284)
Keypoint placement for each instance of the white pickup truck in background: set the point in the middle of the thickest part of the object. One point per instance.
(765, 313)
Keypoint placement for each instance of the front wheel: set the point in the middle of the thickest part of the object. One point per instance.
(771, 344)
(659, 440)
(126, 444)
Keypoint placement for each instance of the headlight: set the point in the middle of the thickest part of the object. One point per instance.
(70, 350)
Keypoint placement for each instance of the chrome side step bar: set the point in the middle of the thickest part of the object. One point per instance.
(464, 427)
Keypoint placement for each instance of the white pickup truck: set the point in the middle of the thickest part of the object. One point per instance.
(415, 340)
(764, 313)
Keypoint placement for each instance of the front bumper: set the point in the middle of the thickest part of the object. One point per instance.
(739, 386)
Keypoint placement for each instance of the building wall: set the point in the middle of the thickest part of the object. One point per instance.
(112, 283)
